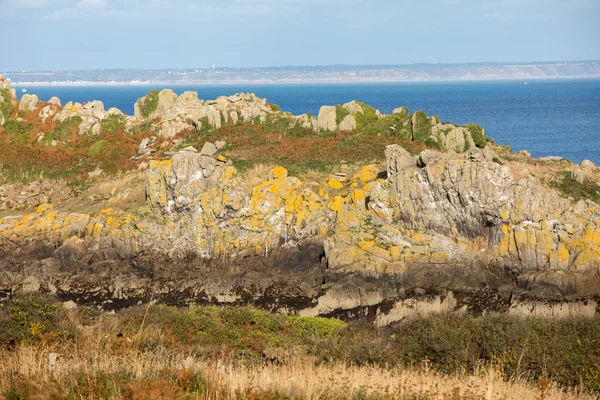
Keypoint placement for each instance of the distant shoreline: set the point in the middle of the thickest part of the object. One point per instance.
(292, 82)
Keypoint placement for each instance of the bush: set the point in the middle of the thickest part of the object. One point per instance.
(64, 130)
(149, 105)
(566, 351)
(239, 331)
(112, 124)
(421, 127)
(340, 113)
(384, 126)
(28, 318)
(275, 107)
(570, 187)
(369, 115)
(6, 108)
(476, 134)
(17, 130)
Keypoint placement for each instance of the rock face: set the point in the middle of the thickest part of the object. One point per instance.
(434, 224)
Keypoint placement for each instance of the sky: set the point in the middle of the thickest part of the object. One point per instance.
(44, 35)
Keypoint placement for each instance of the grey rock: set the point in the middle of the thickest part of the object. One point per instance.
(54, 101)
(28, 102)
(208, 149)
(348, 123)
(353, 108)
(327, 118)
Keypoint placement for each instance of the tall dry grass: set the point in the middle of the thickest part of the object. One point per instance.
(93, 371)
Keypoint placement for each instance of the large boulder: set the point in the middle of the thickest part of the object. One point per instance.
(353, 107)
(155, 104)
(327, 118)
(28, 102)
(54, 101)
(348, 123)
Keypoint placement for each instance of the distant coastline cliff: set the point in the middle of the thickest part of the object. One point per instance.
(336, 73)
(233, 201)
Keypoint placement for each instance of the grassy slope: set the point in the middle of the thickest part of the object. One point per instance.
(157, 340)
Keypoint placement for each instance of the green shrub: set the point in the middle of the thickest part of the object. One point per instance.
(476, 134)
(404, 130)
(275, 107)
(300, 131)
(383, 126)
(245, 332)
(6, 107)
(149, 105)
(27, 317)
(146, 127)
(569, 187)
(369, 115)
(18, 131)
(97, 148)
(64, 130)
(421, 127)
(112, 124)
(566, 351)
(340, 113)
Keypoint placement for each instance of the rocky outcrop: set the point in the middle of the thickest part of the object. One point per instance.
(177, 114)
(428, 225)
(455, 227)
(92, 115)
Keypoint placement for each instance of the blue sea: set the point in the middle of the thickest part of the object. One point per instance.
(547, 117)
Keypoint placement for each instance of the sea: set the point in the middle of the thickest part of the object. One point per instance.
(547, 117)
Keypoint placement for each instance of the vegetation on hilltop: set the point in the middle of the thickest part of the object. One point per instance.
(51, 149)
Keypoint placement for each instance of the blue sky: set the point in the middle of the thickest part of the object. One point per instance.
(97, 34)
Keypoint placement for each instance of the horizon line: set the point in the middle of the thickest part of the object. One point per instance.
(471, 63)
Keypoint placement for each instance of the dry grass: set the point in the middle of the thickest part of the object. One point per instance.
(88, 373)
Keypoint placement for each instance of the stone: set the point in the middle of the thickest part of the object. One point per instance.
(587, 164)
(208, 149)
(525, 153)
(96, 173)
(578, 175)
(327, 118)
(278, 172)
(219, 144)
(187, 97)
(46, 113)
(70, 305)
(28, 102)
(348, 123)
(353, 108)
(400, 111)
(54, 101)
(456, 140)
(397, 159)
(166, 100)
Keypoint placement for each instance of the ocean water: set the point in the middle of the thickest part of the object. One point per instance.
(547, 117)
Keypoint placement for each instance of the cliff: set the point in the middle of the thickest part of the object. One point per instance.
(456, 223)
